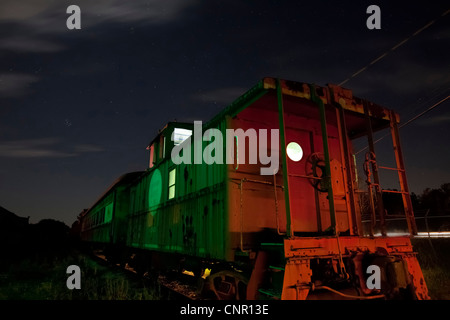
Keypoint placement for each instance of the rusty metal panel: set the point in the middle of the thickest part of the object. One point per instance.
(341, 95)
(254, 206)
(399, 250)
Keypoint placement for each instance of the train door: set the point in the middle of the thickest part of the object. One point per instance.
(309, 203)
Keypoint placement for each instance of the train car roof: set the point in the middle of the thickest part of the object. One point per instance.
(264, 92)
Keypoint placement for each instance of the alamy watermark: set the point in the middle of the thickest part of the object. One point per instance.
(374, 20)
(74, 280)
(374, 280)
(236, 141)
(74, 20)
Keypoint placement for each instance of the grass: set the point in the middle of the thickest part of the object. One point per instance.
(46, 278)
(434, 260)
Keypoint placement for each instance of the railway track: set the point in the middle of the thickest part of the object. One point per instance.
(178, 286)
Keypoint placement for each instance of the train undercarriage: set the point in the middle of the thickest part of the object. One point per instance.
(302, 268)
(337, 268)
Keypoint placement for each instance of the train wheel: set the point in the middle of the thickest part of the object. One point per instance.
(228, 285)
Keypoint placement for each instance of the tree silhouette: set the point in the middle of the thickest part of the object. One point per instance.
(435, 200)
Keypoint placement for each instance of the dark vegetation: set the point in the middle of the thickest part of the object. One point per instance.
(35, 258)
(434, 260)
(431, 209)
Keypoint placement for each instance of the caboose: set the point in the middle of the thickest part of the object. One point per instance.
(296, 233)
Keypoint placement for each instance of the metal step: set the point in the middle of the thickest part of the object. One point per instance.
(275, 294)
(277, 268)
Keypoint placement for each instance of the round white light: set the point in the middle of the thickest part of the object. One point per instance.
(294, 151)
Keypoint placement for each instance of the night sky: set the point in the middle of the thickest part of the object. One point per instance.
(79, 107)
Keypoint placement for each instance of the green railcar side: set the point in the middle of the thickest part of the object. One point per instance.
(105, 222)
(180, 208)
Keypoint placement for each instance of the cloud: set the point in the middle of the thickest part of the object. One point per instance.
(442, 34)
(404, 78)
(434, 121)
(29, 44)
(12, 10)
(409, 77)
(150, 11)
(32, 148)
(37, 25)
(49, 16)
(43, 148)
(16, 84)
(83, 148)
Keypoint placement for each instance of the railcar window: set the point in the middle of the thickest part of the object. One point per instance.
(108, 212)
(164, 148)
(172, 177)
(152, 156)
(294, 151)
(180, 134)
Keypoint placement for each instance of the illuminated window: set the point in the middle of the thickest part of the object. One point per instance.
(164, 148)
(294, 151)
(172, 177)
(179, 135)
(152, 156)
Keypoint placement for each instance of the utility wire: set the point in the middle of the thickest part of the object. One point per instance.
(422, 113)
(409, 121)
(418, 105)
(394, 47)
